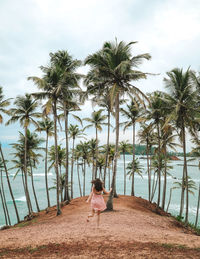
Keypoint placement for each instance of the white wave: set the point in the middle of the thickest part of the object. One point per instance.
(35, 175)
(23, 198)
(176, 207)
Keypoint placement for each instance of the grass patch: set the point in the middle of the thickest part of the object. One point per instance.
(26, 223)
(167, 245)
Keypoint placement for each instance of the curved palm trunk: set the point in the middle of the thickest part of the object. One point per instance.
(56, 158)
(107, 149)
(9, 186)
(170, 196)
(155, 183)
(110, 199)
(33, 188)
(133, 164)
(4, 199)
(159, 176)
(66, 113)
(72, 168)
(46, 178)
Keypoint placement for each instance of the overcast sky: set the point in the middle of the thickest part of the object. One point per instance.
(30, 29)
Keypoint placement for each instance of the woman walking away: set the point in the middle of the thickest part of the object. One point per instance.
(97, 201)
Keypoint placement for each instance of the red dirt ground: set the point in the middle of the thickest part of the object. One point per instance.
(132, 230)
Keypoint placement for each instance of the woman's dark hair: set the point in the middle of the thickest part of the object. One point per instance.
(98, 185)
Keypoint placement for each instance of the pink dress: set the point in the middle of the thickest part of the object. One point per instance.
(97, 202)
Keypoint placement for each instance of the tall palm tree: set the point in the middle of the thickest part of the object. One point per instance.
(133, 115)
(104, 101)
(74, 132)
(96, 120)
(69, 91)
(124, 147)
(114, 63)
(155, 112)
(46, 125)
(182, 102)
(145, 137)
(83, 148)
(25, 112)
(50, 86)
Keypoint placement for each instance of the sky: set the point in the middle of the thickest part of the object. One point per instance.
(30, 29)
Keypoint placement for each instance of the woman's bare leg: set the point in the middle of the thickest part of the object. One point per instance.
(90, 215)
(98, 218)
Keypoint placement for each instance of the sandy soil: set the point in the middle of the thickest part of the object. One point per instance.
(132, 230)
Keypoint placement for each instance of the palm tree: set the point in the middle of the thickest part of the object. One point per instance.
(74, 132)
(25, 112)
(155, 112)
(124, 147)
(83, 148)
(46, 125)
(137, 166)
(133, 115)
(69, 91)
(3, 105)
(96, 120)
(114, 63)
(145, 137)
(182, 102)
(50, 84)
(104, 101)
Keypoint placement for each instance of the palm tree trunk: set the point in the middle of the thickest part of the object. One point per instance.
(124, 173)
(148, 170)
(133, 164)
(56, 158)
(107, 149)
(110, 199)
(170, 196)
(25, 174)
(72, 167)
(197, 214)
(46, 178)
(4, 198)
(33, 187)
(155, 183)
(9, 186)
(4, 209)
(96, 152)
(84, 177)
(159, 165)
(165, 177)
(79, 179)
(186, 177)
(67, 198)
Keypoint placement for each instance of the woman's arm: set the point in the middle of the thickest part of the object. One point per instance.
(104, 190)
(90, 196)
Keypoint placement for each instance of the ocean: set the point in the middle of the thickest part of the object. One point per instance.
(141, 186)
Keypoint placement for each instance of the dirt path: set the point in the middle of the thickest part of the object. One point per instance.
(132, 230)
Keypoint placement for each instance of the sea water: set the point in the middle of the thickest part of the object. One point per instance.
(141, 186)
